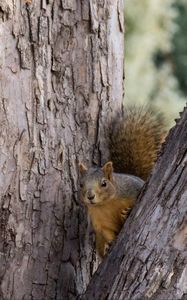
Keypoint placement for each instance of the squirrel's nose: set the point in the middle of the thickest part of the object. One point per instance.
(90, 195)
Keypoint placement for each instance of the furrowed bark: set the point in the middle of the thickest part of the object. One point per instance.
(149, 259)
(61, 81)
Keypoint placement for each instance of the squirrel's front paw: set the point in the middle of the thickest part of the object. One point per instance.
(107, 247)
(125, 212)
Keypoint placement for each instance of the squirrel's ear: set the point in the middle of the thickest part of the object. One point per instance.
(108, 170)
(82, 168)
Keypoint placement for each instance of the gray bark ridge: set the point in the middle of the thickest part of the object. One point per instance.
(149, 258)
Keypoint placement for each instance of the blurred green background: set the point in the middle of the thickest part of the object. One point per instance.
(156, 54)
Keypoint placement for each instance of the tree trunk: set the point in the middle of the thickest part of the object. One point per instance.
(149, 259)
(61, 70)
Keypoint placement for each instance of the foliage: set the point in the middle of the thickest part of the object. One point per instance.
(151, 28)
(179, 56)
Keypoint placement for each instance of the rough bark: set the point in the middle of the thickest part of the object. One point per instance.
(149, 259)
(61, 70)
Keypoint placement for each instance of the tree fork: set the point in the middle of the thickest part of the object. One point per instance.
(149, 258)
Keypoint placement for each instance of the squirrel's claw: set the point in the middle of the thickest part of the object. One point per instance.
(125, 212)
(107, 247)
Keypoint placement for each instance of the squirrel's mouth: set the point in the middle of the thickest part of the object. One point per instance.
(93, 202)
(90, 202)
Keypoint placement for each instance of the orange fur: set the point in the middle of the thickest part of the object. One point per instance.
(107, 220)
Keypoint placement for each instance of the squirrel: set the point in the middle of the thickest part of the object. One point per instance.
(134, 142)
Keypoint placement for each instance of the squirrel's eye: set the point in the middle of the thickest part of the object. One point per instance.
(103, 183)
(81, 185)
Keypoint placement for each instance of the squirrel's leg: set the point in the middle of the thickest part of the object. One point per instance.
(100, 244)
(109, 236)
(103, 241)
(107, 247)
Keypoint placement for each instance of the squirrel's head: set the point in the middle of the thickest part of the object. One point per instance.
(96, 184)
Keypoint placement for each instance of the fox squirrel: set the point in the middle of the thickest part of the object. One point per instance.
(134, 143)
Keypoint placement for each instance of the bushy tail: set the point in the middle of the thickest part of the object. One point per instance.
(135, 141)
